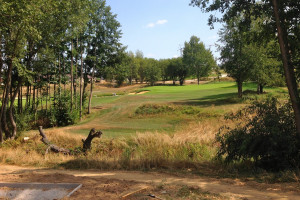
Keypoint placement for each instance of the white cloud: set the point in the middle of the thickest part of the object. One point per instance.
(150, 25)
(163, 21)
(175, 56)
(158, 22)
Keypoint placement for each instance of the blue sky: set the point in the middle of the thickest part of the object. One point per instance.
(159, 28)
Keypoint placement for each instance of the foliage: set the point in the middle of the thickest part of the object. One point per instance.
(24, 120)
(61, 113)
(121, 74)
(266, 134)
(152, 71)
(43, 43)
(199, 59)
(280, 21)
(176, 69)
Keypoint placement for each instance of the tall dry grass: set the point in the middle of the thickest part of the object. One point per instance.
(186, 148)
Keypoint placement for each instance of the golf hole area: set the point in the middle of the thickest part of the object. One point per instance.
(37, 191)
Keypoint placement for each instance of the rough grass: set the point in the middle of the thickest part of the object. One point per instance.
(148, 110)
(183, 149)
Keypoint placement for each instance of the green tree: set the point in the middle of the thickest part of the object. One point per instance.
(283, 22)
(177, 70)
(103, 45)
(266, 68)
(181, 70)
(163, 65)
(152, 71)
(234, 55)
(133, 67)
(199, 59)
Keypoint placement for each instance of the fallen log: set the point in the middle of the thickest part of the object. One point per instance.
(52, 147)
(56, 149)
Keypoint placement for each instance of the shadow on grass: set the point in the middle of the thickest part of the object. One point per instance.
(219, 99)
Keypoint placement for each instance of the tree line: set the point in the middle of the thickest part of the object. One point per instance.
(49, 51)
(196, 61)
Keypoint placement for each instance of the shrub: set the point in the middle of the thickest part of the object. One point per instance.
(266, 134)
(61, 113)
(23, 120)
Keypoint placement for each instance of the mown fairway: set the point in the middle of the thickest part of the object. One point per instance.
(116, 115)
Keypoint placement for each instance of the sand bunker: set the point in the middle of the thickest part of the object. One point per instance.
(136, 93)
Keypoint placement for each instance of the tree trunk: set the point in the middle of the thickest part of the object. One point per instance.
(81, 78)
(47, 94)
(1, 66)
(1, 132)
(85, 80)
(92, 80)
(33, 97)
(261, 88)
(64, 73)
(88, 141)
(240, 88)
(21, 92)
(76, 76)
(20, 100)
(288, 68)
(54, 92)
(5, 99)
(59, 77)
(11, 116)
(29, 99)
(41, 94)
(50, 103)
(71, 75)
(27, 96)
(181, 81)
(91, 92)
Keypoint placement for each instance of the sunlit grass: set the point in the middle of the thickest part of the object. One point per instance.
(116, 115)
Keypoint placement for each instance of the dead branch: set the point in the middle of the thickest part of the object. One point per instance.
(52, 147)
(88, 141)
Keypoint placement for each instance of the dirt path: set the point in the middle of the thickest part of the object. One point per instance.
(114, 184)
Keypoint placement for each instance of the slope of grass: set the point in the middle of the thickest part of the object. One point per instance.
(117, 114)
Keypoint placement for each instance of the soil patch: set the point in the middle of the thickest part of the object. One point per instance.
(37, 191)
(137, 185)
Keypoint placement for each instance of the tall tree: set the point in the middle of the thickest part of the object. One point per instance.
(152, 71)
(234, 55)
(103, 45)
(283, 21)
(199, 59)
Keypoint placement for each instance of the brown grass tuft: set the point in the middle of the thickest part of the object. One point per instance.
(186, 148)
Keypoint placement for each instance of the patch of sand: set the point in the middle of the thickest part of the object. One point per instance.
(137, 93)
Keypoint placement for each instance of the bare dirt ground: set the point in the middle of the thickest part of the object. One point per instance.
(137, 185)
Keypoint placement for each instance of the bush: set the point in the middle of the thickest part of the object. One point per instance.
(266, 134)
(23, 120)
(60, 113)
